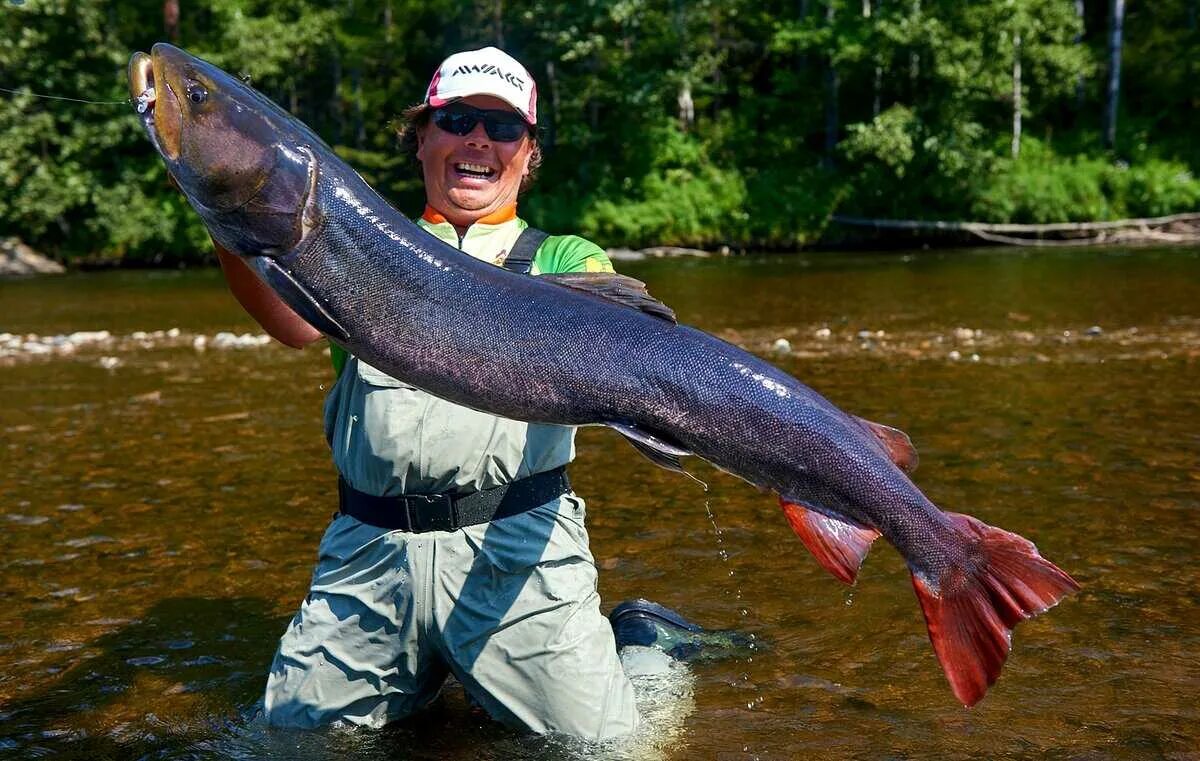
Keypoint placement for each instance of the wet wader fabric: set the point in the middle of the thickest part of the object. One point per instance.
(509, 607)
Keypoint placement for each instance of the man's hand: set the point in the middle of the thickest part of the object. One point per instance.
(276, 317)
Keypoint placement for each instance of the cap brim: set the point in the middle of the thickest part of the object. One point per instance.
(445, 98)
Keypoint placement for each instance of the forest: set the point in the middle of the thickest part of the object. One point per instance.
(744, 123)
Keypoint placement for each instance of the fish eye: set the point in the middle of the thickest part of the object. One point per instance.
(196, 93)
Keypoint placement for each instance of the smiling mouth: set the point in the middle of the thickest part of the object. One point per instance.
(477, 171)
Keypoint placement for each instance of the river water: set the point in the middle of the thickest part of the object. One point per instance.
(164, 487)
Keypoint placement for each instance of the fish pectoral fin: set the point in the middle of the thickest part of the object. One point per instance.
(658, 449)
(897, 443)
(840, 547)
(621, 289)
(298, 297)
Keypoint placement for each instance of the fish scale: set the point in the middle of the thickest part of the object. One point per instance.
(572, 350)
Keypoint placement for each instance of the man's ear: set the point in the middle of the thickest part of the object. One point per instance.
(420, 144)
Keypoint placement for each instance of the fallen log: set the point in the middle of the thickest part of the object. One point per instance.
(1184, 228)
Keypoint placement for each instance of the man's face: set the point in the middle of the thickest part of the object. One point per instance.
(471, 176)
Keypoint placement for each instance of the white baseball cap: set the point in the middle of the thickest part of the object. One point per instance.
(487, 71)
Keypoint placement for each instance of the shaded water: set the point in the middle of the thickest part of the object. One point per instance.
(161, 506)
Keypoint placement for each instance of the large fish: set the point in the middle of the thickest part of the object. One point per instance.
(577, 349)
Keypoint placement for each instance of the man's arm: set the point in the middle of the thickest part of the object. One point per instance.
(276, 317)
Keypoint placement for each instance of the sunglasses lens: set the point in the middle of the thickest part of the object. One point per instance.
(500, 126)
(456, 123)
(504, 131)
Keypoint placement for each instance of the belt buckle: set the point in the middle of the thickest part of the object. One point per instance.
(432, 512)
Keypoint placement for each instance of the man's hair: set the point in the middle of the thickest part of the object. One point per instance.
(416, 117)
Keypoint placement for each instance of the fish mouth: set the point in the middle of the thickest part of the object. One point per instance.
(156, 103)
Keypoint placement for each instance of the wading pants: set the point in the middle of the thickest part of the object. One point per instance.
(509, 607)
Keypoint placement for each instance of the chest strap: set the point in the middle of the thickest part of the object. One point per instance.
(520, 259)
(419, 513)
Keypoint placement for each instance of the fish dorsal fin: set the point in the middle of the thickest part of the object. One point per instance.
(659, 450)
(839, 547)
(899, 447)
(619, 288)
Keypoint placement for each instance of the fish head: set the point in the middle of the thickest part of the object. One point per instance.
(245, 165)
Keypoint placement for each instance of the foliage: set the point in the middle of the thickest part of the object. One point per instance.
(799, 109)
(1042, 187)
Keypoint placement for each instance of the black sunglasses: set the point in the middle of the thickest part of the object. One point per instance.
(500, 125)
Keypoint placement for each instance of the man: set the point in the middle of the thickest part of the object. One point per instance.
(505, 602)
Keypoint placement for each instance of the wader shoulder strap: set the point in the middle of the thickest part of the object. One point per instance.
(520, 259)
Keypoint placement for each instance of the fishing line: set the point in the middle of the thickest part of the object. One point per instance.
(125, 102)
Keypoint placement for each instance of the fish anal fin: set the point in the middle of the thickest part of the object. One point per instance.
(971, 610)
(897, 443)
(621, 289)
(658, 449)
(839, 547)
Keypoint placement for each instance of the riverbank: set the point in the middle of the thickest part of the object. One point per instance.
(19, 260)
(842, 233)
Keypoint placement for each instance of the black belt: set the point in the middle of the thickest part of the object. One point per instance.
(418, 513)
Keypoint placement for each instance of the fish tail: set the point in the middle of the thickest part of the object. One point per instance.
(971, 608)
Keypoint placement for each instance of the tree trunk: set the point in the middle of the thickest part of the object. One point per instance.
(171, 20)
(717, 83)
(1191, 59)
(831, 97)
(687, 108)
(914, 58)
(1016, 81)
(335, 97)
(802, 13)
(1116, 25)
(1079, 80)
(552, 81)
(877, 82)
(360, 125)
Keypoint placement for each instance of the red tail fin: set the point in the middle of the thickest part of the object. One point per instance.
(838, 546)
(970, 611)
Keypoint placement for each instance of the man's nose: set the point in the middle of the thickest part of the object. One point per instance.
(478, 137)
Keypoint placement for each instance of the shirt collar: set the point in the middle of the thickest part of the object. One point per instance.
(497, 217)
(488, 239)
